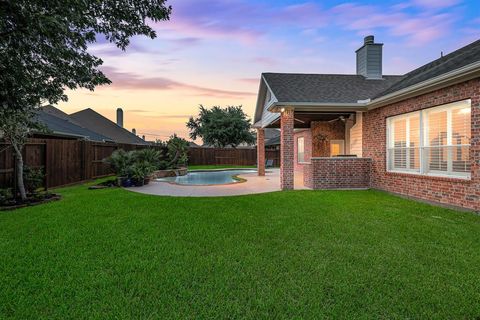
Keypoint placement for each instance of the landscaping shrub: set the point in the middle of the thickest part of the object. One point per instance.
(33, 179)
(151, 159)
(5, 195)
(120, 161)
(177, 153)
(138, 165)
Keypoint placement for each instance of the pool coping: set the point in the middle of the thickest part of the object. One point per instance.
(239, 180)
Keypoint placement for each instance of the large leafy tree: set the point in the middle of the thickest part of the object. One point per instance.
(43, 50)
(221, 127)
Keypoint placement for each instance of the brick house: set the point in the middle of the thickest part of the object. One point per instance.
(416, 134)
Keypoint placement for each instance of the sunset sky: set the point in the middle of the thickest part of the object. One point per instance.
(212, 52)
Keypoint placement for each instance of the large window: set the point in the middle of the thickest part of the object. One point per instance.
(434, 141)
(300, 149)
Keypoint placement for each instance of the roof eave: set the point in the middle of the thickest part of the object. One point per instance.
(318, 106)
(462, 74)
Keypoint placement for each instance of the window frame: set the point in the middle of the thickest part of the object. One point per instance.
(425, 143)
(407, 148)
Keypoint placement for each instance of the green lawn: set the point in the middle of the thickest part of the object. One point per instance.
(211, 167)
(112, 253)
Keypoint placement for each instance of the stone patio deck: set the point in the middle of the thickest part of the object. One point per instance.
(254, 184)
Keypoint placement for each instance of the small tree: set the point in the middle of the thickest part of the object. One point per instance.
(222, 127)
(177, 152)
(43, 50)
(15, 127)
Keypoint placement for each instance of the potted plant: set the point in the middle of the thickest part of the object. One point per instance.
(137, 174)
(120, 161)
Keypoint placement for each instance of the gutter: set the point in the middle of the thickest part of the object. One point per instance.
(308, 106)
(66, 134)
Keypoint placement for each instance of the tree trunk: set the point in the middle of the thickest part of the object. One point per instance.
(19, 167)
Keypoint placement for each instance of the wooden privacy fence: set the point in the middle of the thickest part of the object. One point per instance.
(67, 161)
(63, 161)
(229, 156)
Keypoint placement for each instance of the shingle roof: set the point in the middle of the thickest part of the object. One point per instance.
(98, 123)
(325, 88)
(336, 88)
(63, 126)
(457, 59)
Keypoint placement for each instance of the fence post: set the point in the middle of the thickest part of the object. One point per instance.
(45, 165)
(84, 159)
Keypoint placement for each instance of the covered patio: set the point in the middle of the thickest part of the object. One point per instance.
(320, 149)
(320, 117)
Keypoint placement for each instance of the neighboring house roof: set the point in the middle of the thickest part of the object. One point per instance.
(273, 141)
(98, 123)
(325, 88)
(272, 137)
(57, 113)
(192, 144)
(452, 61)
(64, 127)
(272, 133)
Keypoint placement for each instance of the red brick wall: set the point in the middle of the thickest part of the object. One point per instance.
(450, 191)
(307, 136)
(287, 150)
(322, 133)
(261, 151)
(337, 173)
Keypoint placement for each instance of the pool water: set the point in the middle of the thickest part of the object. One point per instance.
(207, 177)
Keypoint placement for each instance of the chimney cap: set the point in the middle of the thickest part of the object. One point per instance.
(369, 39)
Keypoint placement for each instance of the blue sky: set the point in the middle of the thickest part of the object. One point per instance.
(212, 52)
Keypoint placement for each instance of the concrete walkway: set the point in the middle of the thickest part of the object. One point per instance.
(254, 184)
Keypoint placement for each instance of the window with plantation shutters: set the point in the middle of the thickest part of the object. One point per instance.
(434, 141)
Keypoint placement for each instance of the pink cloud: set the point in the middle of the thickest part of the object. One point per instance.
(436, 4)
(417, 29)
(125, 80)
(239, 19)
(250, 80)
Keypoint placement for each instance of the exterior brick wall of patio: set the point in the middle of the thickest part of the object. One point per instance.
(450, 191)
(337, 173)
(287, 135)
(322, 133)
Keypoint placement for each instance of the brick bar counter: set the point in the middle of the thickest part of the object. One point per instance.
(337, 173)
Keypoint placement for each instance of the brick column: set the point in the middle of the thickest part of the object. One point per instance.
(261, 151)
(287, 150)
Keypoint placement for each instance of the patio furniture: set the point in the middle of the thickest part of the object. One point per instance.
(269, 163)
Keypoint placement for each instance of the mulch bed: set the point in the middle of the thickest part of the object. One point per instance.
(17, 204)
(104, 185)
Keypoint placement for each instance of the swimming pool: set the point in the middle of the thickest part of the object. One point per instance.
(208, 177)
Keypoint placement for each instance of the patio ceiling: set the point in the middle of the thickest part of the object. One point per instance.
(304, 118)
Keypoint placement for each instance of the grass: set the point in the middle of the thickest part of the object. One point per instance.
(213, 167)
(306, 254)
